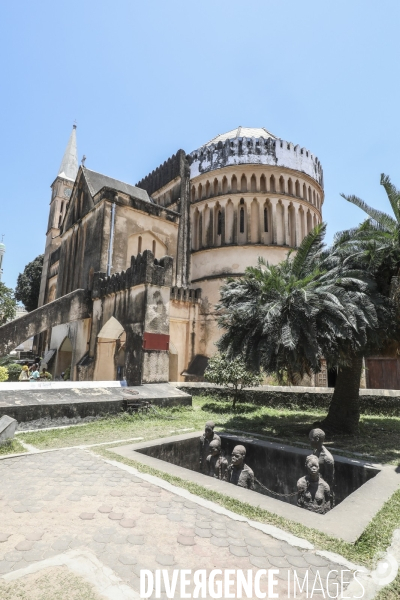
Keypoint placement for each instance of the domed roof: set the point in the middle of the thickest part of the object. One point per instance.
(239, 132)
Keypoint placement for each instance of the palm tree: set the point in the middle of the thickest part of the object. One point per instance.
(376, 242)
(314, 305)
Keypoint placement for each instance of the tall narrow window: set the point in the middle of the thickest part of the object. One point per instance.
(242, 220)
(265, 219)
(219, 223)
(139, 244)
(154, 247)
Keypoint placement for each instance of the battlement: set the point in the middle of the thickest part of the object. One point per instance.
(242, 150)
(144, 269)
(169, 170)
(185, 294)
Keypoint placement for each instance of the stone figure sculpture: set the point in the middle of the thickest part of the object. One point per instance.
(325, 458)
(238, 472)
(313, 493)
(205, 439)
(217, 465)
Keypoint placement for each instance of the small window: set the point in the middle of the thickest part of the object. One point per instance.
(154, 247)
(139, 245)
(265, 219)
(242, 220)
(219, 223)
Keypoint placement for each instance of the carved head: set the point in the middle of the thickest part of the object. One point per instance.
(312, 465)
(317, 438)
(215, 447)
(238, 455)
(209, 429)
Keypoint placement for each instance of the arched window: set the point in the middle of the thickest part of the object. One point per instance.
(297, 188)
(224, 185)
(281, 185)
(253, 183)
(208, 189)
(215, 187)
(59, 221)
(309, 195)
(193, 193)
(263, 184)
(304, 191)
(234, 184)
(241, 214)
(313, 197)
(243, 184)
(290, 187)
(219, 223)
(154, 247)
(200, 194)
(265, 219)
(272, 183)
(139, 244)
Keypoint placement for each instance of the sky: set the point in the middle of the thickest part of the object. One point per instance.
(144, 79)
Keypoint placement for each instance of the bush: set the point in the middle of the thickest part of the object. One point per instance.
(3, 373)
(231, 373)
(14, 371)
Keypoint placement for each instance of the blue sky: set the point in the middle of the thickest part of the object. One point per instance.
(144, 79)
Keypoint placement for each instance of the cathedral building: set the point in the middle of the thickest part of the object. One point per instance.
(139, 267)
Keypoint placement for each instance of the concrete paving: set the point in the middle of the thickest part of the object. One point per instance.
(59, 502)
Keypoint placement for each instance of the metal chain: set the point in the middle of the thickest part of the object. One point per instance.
(275, 493)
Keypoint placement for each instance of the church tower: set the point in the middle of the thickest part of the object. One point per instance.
(61, 190)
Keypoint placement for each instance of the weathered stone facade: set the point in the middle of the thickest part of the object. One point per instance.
(154, 256)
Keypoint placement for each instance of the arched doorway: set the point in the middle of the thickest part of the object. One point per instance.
(110, 352)
(64, 357)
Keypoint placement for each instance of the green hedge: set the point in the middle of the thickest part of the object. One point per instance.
(14, 372)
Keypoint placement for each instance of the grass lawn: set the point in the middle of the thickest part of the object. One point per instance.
(378, 436)
(11, 447)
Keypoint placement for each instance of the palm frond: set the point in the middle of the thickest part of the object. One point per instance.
(393, 194)
(380, 217)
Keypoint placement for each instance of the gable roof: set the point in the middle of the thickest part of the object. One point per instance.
(96, 181)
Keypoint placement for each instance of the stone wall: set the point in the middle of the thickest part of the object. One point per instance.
(244, 150)
(375, 402)
(72, 307)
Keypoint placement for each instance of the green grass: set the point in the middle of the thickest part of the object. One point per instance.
(11, 447)
(377, 437)
(391, 592)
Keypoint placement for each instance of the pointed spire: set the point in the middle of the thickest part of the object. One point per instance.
(69, 164)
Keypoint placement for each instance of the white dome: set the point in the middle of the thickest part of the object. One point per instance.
(240, 132)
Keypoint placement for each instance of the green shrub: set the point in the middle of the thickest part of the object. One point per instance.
(13, 372)
(3, 374)
(231, 373)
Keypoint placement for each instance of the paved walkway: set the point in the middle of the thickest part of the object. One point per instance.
(54, 502)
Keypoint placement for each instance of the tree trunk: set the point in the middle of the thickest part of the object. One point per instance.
(344, 410)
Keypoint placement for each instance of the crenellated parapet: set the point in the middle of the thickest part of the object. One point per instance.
(182, 294)
(263, 151)
(144, 269)
(164, 174)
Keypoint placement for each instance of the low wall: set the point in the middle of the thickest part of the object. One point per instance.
(28, 402)
(373, 402)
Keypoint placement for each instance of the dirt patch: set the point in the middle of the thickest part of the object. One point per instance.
(53, 583)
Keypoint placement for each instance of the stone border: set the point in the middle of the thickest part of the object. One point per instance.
(346, 521)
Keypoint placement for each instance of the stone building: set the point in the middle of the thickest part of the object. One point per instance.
(149, 258)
